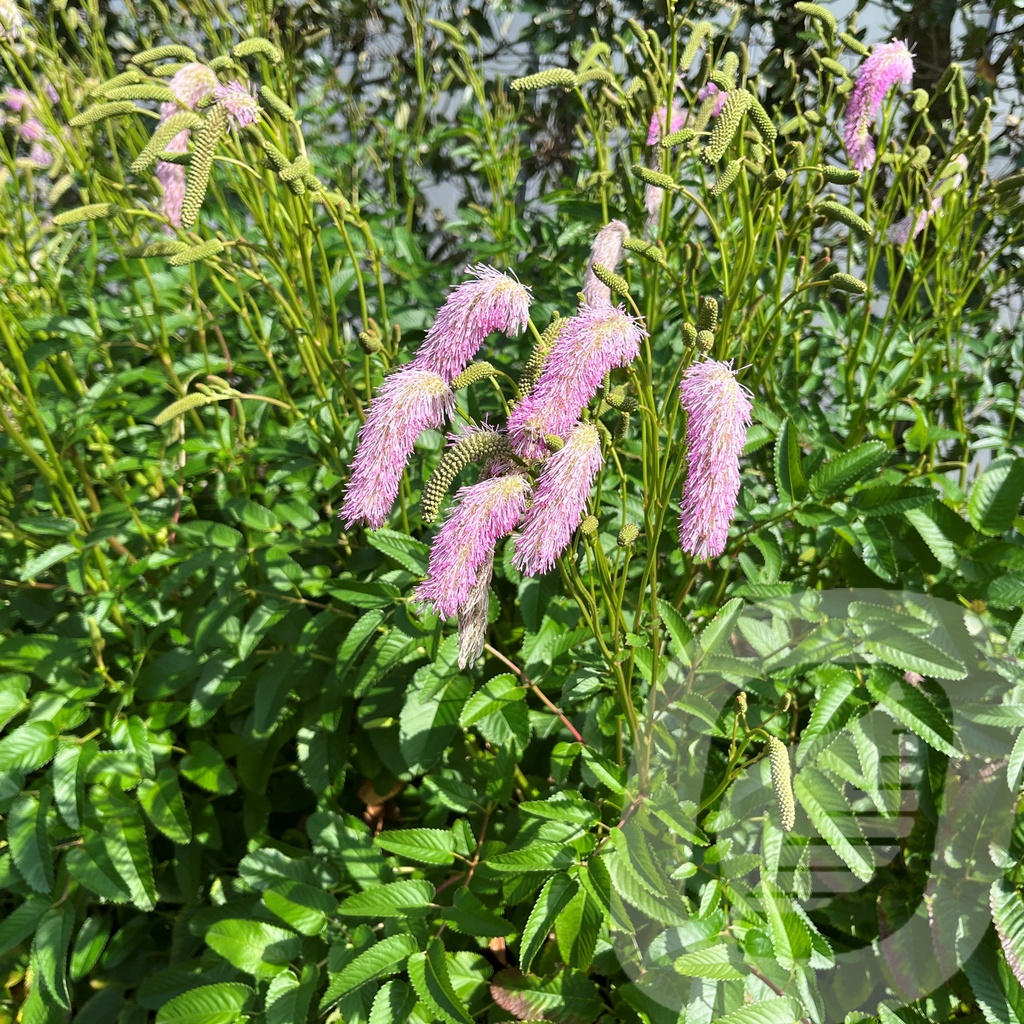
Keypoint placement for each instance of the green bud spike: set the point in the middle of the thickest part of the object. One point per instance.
(648, 250)
(589, 526)
(59, 188)
(168, 70)
(223, 63)
(595, 75)
(774, 180)
(129, 77)
(834, 67)
(655, 178)
(472, 448)
(782, 776)
(851, 42)
(795, 124)
(730, 63)
(102, 111)
(705, 341)
(980, 115)
(531, 371)
(545, 80)
(847, 283)
(725, 179)
(707, 313)
(823, 16)
(195, 253)
(206, 138)
(834, 211)
(627, 535)
(722, 80)
(274, 103)
(701, 31)
(142, 91)
(295, 170)
(614, 281)
(312, 182)
(169, 247)
(762, 122)
(814, 117)
(736, 105)
(839, 175)
(81, 214)
(553, 442)
(621, 426)
(473, 374)
(182, 121)
(677, 138)
(689, 334)
(371, 340)
(920, 158)
(258, 47)
(699, 120)
(277, 160)
(173, 51)
(183, 159)
(186, 404)
(919, 100)
(636, 86)
(741, 702)
(620, 398)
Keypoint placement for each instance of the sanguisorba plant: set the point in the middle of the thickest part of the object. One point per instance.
(773, 378)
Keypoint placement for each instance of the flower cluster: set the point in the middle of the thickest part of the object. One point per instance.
(240, 102)
(910, 226)
(23, 112)
(888, 65)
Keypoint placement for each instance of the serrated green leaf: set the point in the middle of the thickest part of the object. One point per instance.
(204, 766)
(831, 815)
(163, 804)
(909, 652)
(428, 972)
(790, 938)
(26, 837)
(396, 899)
(924, 521)
(304, 907)
(426, 845)
(847, 468)
(28, 747)
(767, 1011)
(909, 706)
(50, 952)
(381, 959)
(717, 962)
(408, 552)
(1008, 914)
(789, 476)
(552, 900)
(719, 629)
(21, 922)
(223, 1003)
(469, 916)
(996, 496)
(259, 949)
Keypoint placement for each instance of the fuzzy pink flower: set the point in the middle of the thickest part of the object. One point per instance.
(240, 102)
(597, 339)
(491, 302)
(16, 100)
(720, 95)
(718, 412)
(408, 402)
(486, 511)
(888, 65)
(172, 180)
(191, 85)
(561, 499)
(606, 250)
(32, 130)
(675, 117)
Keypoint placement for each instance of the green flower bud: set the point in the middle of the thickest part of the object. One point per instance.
(173, 51)
(257, 47)
(835, 211)
(195, 253)
(545, 80)
(476, 447)
(627, 535)
(782, 782)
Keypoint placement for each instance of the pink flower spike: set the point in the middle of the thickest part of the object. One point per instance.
(676, 118)
(493, 301)
(888, 65)
(191, 85)
(408, 402)
(718, 412)
(486, 511)
(606, 250)
(597, 339)
(241, 104)
(563, 491)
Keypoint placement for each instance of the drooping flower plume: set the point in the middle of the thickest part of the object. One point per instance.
(492, 301)
(606, 250)
(913, 224)
(718, 412)
(408, 402)
(888, 65)
(597, 339)
(484, 513)
(560, 501)
(473, 615)
(240, 102)
(190, 84)
(674, 118)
